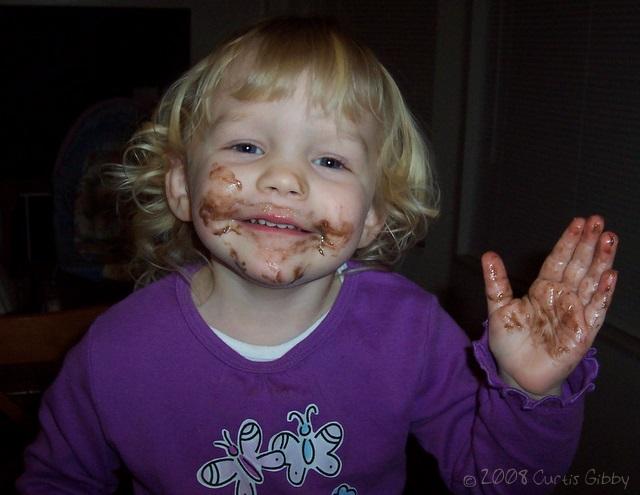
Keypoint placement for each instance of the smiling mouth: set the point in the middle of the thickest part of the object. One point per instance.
(274, 225)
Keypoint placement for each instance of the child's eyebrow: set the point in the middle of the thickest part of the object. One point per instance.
(345, 128)
(352, 132)
(354, 137)
(228, 116)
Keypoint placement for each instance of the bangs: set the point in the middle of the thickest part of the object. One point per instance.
(267, 64)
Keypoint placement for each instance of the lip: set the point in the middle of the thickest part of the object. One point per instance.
(274, 230)
(277, 217)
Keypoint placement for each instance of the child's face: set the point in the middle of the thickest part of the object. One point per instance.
(280, 192)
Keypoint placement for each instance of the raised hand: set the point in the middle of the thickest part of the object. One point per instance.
(539, 339)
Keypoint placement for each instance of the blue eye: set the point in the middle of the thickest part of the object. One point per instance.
(327, 161)
(247, 148)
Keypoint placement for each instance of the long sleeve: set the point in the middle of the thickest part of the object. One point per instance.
(489, 438)
(71, 454)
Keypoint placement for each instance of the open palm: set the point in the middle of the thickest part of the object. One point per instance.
(539, 339)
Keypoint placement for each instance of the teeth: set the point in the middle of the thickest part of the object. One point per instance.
(260, 221)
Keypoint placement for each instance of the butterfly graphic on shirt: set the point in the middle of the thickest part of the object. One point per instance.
(244, 462)
(309, 449)
(344, 489)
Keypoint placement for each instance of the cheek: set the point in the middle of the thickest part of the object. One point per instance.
(334, 236)
(220, 197)
(343, 223)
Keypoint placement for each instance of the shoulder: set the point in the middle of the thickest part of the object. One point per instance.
(147, 336)
(396, 306)
(390, 289)
(143, 315)
(146, 302)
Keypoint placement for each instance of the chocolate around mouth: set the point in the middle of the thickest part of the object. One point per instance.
(221, 203)
(276, 225)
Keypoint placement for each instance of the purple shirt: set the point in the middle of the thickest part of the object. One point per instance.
(152, 388)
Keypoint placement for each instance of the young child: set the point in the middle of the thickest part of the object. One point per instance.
(277, 175)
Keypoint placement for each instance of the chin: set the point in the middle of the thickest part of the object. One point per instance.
(262, 272)
(279, 278)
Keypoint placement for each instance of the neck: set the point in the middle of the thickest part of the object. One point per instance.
(260, 315)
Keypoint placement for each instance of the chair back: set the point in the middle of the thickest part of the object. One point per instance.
(32, 348)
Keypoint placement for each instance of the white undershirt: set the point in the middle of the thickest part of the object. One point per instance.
(263, 353)
(254, 352)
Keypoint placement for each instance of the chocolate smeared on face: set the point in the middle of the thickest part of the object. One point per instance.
(226, 229)
(275, 274)
(223, 210)
(220, 202)
(225, 176)
(234, 256)
(240, 264)
(333, 237)
(277, 278)
(298, 273)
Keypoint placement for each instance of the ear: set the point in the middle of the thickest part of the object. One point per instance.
(175, 183)
(373, 224)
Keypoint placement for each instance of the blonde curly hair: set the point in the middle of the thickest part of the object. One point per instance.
(344, 78)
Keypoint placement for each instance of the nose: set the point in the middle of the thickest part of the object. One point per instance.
(284, 179)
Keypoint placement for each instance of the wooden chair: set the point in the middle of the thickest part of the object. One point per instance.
(32, 348)
(31, 351)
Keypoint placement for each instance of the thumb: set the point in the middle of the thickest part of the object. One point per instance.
(496, 283)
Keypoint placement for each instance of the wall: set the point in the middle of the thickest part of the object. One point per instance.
(609, 442)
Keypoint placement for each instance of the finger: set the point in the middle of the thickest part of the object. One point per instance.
(596, 310)
(582, 257)
(496, 284)
(602, 261)
(555, 264)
